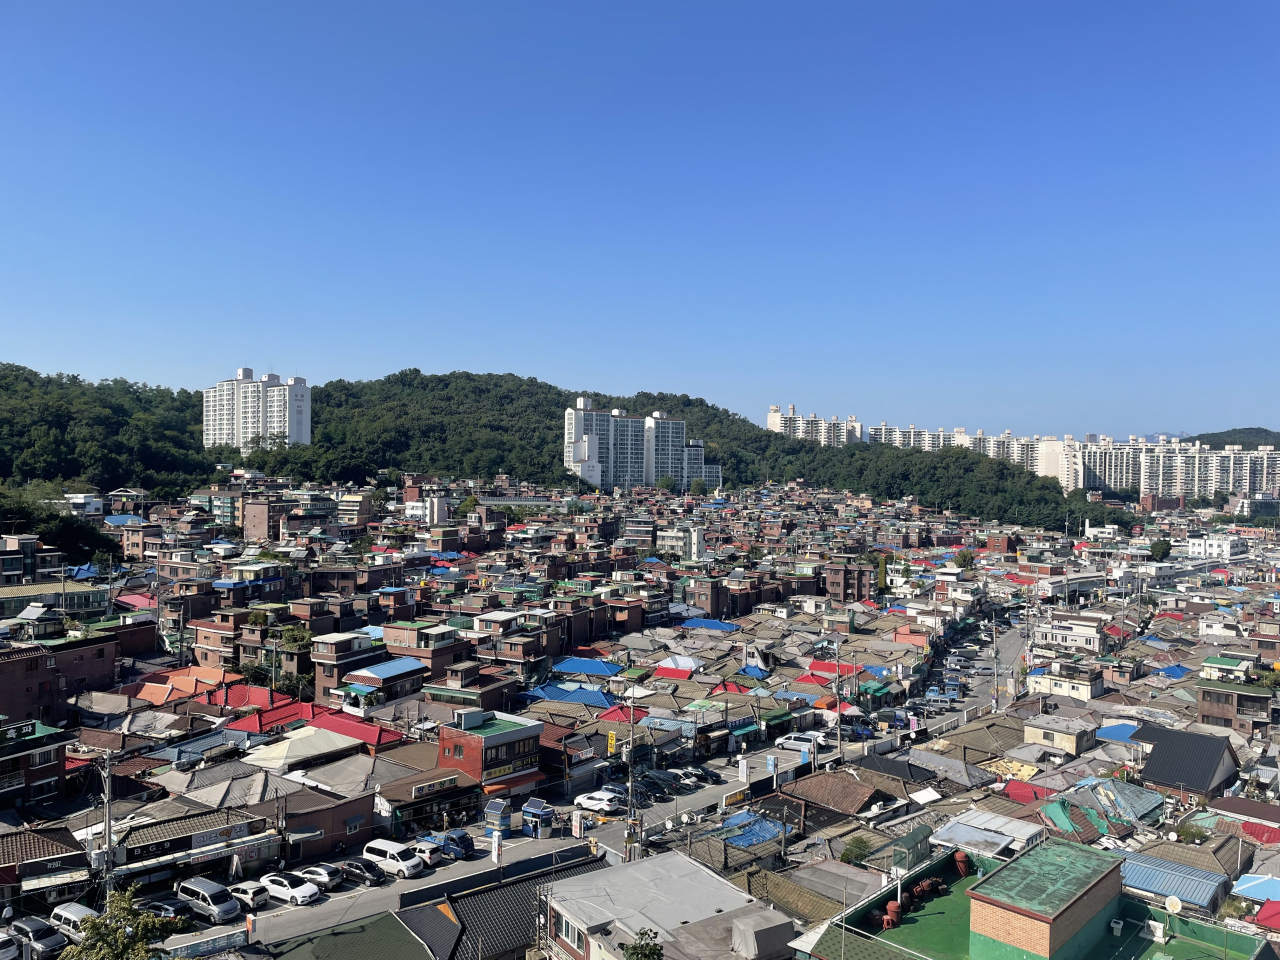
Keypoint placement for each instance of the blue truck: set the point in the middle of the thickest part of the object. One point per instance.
(456, 844)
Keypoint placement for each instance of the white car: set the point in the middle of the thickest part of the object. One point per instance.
(250, 893)
(9, 948)
(801, 741)
(599, 801)
(614, 790)
(324, 875)
(428, 852)
(290, 888)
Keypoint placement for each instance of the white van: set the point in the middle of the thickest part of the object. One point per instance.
(68, 919)
(428, 852)
(394, 858)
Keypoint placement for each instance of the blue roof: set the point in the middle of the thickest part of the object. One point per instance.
(195, 748)
(700, 622)
(1164, 878)
(1117, 732)
(588, 666)
(122, 520)
(1257, 887)
(876, 671)
(757, 673)
(1175, 672)
(390, 669)
(360, 688)
(1037, 672)
(572, 693)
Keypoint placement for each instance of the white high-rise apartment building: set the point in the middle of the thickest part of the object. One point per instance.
(246, 413)
(610, 448)
(828, 433)
(1163, 468)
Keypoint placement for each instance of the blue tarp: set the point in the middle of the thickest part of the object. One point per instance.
(756, 673)
(1175, 672)
(700, 622)
(746, 829)
(879, 672)
(1037, 672)
(588, 666)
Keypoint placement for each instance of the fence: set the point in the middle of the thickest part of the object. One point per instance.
(1206, 932)
(496, 874)
(203, 948)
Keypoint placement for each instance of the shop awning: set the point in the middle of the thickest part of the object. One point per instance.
(54, 880)
(304, 834)
(749, 728)
(514, 783)
(781, 718)
(717, 734)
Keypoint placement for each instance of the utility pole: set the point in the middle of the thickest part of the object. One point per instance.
(108, 851)
(839, 744)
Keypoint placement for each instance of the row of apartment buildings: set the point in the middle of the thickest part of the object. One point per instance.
(244, 412)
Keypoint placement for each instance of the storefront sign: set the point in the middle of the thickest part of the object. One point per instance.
(524, 763)
(233, 831)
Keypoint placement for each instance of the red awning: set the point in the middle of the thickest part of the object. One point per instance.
(520, 780)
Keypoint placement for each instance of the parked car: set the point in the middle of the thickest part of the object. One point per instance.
(984, 672)
(68, 919)
(618, 790)
(798, 741)
(428, 851)
(362, 870)
(683, 778)
(209, 899)
(250, 894)
(9, 948)
(657, 790)
(394, 858)
(599, 802)
(290, 888)
(324, 875)
(702, 774)
(46, 942)
(167, 908)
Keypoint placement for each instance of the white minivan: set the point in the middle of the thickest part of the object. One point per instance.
(69, 917)
(394, 858)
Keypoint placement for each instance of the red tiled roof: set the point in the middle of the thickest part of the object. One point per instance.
(1020, 792)
(812, 678)
(1268, 915)
(729, 686)
(829, 666)
(136, 601)
(1170, 614)
(371, 733)
(618, 714)
(671, 673)
(239, 696)
(1261, 832)
(263, 721)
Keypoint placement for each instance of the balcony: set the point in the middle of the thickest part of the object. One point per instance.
(12, 781)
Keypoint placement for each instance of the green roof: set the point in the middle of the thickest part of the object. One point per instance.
(495, 726)
(1228, 662)
(373, 939)
(1249, 689)
(1047, 878)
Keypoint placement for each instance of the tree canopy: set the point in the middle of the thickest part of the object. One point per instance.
(115, 433)
(123, 932)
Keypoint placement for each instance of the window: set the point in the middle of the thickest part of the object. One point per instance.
(44, 789)
(1046, 736)
(33, 665)
(457, 750)
(43, 757)
(570, 934)
(353, 827)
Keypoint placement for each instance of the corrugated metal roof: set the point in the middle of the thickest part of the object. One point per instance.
(1164, 878)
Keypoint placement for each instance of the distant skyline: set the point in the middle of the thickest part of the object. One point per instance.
(1052, 218)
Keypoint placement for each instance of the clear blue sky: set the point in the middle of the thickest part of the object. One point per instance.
(1051, 217)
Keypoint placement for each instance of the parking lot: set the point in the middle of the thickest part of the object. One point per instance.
(348, 902)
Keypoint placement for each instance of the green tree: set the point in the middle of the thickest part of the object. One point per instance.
(104, 562)
(1160, 550)
(856, 850)
(465, 507)
(295, 637)
(1220, 499)
(965, 559)
(123, 932)
(644, 947)
(698, 487)
(666, 482)
(297, 685)
(258, 619)
(256, 674)
(882, 575)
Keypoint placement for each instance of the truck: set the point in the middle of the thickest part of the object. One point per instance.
(456, 844)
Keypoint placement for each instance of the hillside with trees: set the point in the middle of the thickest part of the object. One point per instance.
(1248, 437)
(115, 433)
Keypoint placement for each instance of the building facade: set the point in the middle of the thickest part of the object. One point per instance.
(247, 413)
(829, 433)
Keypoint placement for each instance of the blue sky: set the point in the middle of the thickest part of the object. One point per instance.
(1049, 217)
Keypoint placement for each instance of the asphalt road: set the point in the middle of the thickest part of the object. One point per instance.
(349, 902)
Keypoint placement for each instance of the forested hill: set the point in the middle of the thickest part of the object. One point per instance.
(1248, 437)
(116, 433)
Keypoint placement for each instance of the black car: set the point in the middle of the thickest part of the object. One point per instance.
(46, 942)
(167, 908)
(363, 871)
(704, 774)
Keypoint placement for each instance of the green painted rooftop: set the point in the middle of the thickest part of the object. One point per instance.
(1046, 878)
(491, 727)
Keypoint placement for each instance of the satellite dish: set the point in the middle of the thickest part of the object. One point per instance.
(1173, 837)
(1173, 904)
